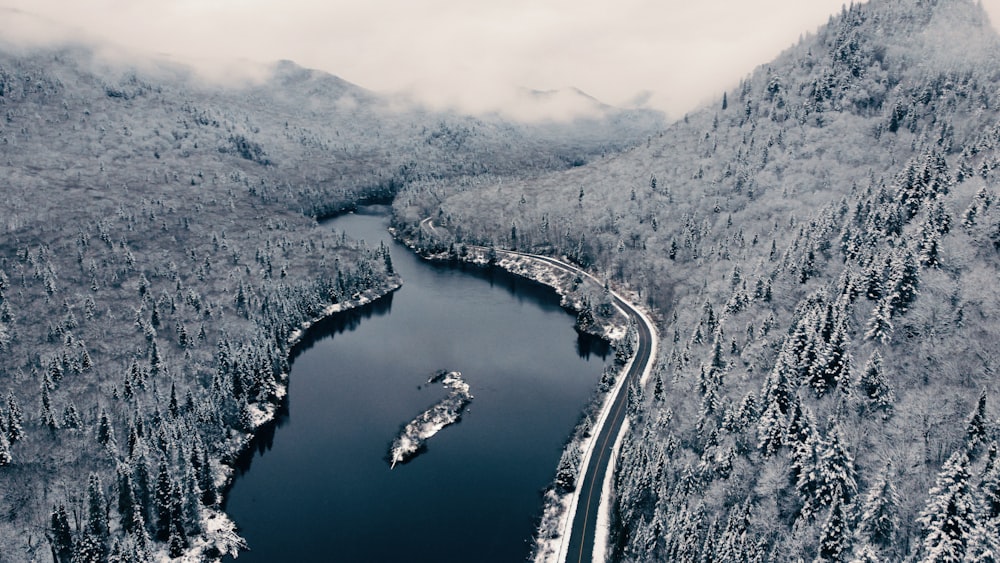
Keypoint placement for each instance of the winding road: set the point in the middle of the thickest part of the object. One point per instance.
(578, 539)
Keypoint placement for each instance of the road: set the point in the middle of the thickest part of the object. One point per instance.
(579, 539)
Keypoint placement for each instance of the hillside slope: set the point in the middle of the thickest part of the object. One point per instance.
(822, 247)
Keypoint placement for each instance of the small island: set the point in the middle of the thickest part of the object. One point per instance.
(447, 411)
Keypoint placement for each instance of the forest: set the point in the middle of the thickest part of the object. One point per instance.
(820, 246)
(161, 252)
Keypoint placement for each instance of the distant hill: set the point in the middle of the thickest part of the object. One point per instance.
(821, 247)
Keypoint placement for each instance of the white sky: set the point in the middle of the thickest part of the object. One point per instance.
(468, 54)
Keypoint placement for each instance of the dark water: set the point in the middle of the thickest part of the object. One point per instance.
(319, 488)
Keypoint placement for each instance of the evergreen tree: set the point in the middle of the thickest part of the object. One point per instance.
(126, 499)
(976, 428)
(164, 494)
(14, 419)
(879, 517)
(835, 537)
(5, 456)
(875, 387)
(93, 545)
(144, 488)
(97, 514)
(105, 433)
(824, 472)
(949, 516)
(62, 535)
(206, 481)
(867, 554)
(89, 549)
(990, 485)
(735, 540)
(879, 327)
(173, 407)
(176, 541)
(903, 283)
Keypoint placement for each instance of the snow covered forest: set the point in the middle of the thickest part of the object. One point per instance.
(822, 248)
(160, 251)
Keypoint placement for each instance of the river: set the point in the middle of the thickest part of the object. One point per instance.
(316, 486)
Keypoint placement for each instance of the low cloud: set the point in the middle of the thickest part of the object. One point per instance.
(671, 55)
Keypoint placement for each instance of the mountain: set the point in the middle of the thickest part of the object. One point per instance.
(820, 246)
(160, 251)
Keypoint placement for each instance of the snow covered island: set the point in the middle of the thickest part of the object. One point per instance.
(447, 411)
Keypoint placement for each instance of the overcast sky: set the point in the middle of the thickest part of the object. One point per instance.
(470, 54)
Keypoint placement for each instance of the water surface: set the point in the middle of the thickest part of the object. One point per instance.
(317, 486)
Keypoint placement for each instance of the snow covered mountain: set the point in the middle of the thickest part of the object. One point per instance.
(820, 245)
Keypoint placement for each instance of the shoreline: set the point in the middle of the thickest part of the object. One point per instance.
(558, 501)
(221, 537)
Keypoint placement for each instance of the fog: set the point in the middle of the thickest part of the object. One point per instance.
(474, 55)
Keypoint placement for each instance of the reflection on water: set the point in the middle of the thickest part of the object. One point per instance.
(341, 322)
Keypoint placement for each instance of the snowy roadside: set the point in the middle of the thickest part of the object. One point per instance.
(220, 537)
(574, 290)
(603, 531)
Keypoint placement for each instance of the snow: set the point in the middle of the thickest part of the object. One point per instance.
(445, 412)
(220, 531)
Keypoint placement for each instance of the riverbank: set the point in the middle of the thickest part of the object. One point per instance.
(577, 293)
(582, 295)
(221, 537)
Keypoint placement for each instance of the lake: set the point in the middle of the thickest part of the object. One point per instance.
(317, 487)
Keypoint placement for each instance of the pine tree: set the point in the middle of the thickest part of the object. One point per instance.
(825, 472)
(990, 485)
(834, 365)
(879, 327)
(735, 540)
(97, 515)
(976, 428)
(903, 282)
(47, 418)
(176, 541)
(126, 499)
(771, 430)
(14, 419)
(173, 407)
(62, 535)
(164, 493)
(875, 387)
(96, 535)
(879, 517)
(105, 432)
(835, 537)
(949, 516)
(89, 550)
(867, 554)
(206, 481)
(143, 485)
(5, 456)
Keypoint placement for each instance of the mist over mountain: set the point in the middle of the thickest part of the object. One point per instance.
(821, 245)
